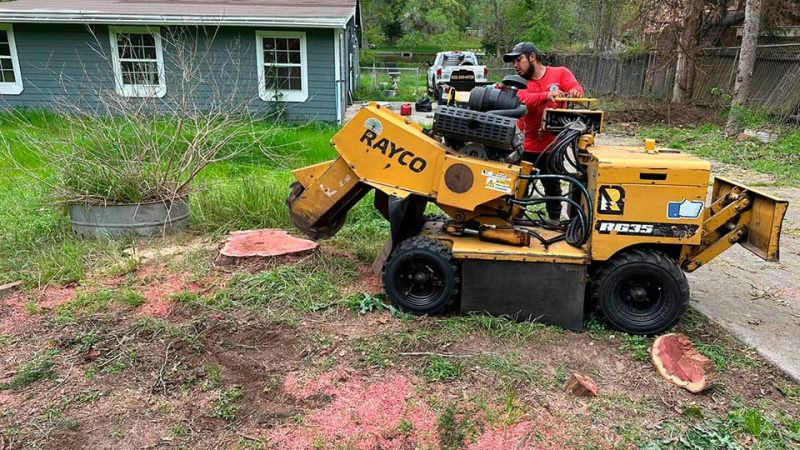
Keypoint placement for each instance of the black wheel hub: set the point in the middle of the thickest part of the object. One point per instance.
(641, 293)
(419, 281)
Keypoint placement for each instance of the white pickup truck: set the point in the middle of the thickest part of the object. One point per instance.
(457, 69)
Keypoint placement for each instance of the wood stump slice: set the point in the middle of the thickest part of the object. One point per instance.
(581, 385)
(677, 360)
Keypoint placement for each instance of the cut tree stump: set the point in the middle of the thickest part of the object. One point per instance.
(677, 360)
(242, 246)
(581, 385)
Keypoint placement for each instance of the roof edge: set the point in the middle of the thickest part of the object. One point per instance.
(145, 19)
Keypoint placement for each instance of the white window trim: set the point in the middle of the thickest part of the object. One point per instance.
(268, 95)
(138, 90)
(14, 88)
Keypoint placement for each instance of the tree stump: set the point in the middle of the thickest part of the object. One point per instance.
(243, 246)
(581, 385)
(677, 360)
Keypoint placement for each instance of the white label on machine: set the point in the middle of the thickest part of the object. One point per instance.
(498, 175)
(374, 125)
(500, 184)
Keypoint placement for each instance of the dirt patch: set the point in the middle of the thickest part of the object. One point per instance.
(16, 309)
(674, 115)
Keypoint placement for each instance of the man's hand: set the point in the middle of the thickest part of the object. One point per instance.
(551, 96)
(574, 93)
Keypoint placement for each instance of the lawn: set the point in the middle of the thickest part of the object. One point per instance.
(148, 344)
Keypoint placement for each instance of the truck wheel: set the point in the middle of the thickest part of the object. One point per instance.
(323, 231)
(421, 276)
(641, 292)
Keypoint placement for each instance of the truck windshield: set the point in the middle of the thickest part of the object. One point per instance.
(455, 59)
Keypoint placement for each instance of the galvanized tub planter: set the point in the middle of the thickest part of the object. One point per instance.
(115, 221)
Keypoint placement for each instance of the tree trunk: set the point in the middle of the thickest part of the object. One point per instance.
(747, 61)
(687, 47)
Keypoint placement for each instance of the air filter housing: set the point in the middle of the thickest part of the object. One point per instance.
(472, 126)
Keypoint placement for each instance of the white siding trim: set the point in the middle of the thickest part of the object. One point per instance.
(141, 90)
(14, 88)
(286, 96)
(144, 19)
(337, 58)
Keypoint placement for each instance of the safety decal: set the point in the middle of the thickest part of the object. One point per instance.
(685, 209)
(612, 200)
(500, 184)
(678, 231)
(374, 125)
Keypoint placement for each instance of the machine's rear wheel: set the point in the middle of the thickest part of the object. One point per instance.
(324, 231)
(641, 292)
(421, 276)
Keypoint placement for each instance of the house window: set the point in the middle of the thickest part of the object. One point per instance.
(282, 66)
(138, 61)
(10, 78)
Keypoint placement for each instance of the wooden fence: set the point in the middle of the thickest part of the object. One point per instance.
(775, 88)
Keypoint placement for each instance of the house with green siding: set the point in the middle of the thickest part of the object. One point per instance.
(301, 54)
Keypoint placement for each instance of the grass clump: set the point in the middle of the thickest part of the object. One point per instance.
(225, 406)
(87, 303)
(40, 367)
(441, 369)
(496, 327)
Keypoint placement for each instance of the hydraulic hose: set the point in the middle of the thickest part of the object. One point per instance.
(515, 113)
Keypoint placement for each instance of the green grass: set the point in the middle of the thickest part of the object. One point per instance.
(442, 369)
(225, 406)
(36, 241)
(496, 327)
(373, 87)
(88, 303)
(38, 368)
(780, 158)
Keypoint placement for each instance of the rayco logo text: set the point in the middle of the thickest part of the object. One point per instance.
(392, 151)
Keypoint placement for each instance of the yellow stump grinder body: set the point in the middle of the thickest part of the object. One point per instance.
(634, 219)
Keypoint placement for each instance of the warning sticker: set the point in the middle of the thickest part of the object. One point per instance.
(498, 184)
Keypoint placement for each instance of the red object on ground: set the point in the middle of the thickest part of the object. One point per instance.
(581, 385)
(405, 109)
(676, 360)
(264, 243)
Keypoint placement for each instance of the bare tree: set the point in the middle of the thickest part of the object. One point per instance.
(685, 68)
(747, 61)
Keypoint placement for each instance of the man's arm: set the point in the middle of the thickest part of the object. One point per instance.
(570, 85)
(532, 99)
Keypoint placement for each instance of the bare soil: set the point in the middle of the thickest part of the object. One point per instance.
(169, 374)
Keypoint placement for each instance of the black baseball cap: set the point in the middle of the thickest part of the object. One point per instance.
(522, 48)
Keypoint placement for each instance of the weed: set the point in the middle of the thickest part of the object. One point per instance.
(213, 377)
(441, 369)
(87, 303)
(636, 346)
(4, 340)
(454, 429)
(511, 368)
(405, 427)
(225, 406)
(497, 327)
(178, 430)
(38, 368)
(84, 340)
(560, 377)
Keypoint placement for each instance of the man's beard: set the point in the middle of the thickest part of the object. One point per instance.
(528, 74)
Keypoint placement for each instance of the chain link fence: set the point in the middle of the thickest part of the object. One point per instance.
(391, 83)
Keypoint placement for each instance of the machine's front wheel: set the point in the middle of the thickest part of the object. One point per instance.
(641, 292)
(421, 276)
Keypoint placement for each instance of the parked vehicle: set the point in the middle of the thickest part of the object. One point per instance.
(459, 70)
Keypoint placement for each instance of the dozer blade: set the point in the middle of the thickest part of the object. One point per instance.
(738, 215)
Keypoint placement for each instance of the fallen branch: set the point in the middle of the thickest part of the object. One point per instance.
(443, 355)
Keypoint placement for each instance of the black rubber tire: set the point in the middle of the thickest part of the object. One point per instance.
(324, 231)
(641, 292)
(422, 256)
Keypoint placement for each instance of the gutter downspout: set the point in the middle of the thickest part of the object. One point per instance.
(337, 57)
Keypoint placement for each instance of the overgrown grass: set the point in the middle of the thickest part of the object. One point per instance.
(36, 240)
(780, 158)
(87, 303)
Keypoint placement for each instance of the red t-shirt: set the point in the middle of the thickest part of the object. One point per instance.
(535, 98)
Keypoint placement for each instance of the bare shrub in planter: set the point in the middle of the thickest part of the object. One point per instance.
(146, 148)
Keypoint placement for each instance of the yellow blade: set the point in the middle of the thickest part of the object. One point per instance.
(766, 219)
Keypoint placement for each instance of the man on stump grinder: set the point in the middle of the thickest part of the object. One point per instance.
(545, 84)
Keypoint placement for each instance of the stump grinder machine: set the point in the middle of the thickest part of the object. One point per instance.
(634, 219)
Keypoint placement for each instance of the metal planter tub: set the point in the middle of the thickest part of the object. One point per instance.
(133, 220)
